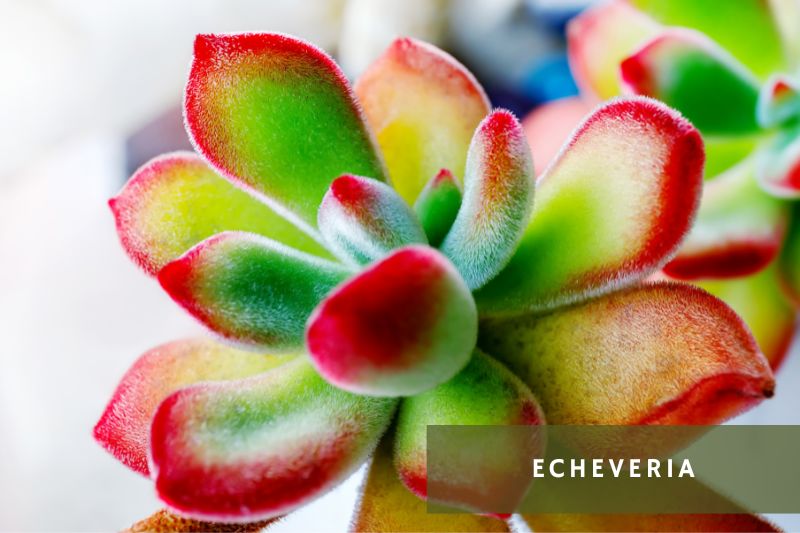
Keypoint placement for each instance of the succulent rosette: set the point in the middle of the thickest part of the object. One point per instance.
(376, 259)
(733, 69)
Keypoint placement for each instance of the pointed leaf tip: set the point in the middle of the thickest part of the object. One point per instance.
(498, 198)
(256, 106)
(250, 289)
(362, 220)
(402, 326)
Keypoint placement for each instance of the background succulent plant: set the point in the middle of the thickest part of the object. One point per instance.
(730, 68)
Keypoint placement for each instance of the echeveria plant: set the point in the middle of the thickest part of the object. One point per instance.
(324, 235)
(732, 69)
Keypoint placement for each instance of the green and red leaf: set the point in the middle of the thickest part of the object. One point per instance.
(688, 71)
(437, 205)
(666, 353)
(748, 29)
(362, 220)
(175, 201)
(257, 448)
(609, 211)
(400, 327)
(124, 427)
(276, 115)
(483, 393)
(250, 289)
(423, 106)
(498, 198)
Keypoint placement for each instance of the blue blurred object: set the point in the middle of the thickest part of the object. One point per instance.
(549, 79)
(516, 48)
(555, 14)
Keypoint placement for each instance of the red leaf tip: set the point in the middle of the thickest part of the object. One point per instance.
(501, 121)
(349, 189)
(634, 75)
(174, 278)
(444, 175)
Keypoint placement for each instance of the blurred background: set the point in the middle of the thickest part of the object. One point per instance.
(90, 90)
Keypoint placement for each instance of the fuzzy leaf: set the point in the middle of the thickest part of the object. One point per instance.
(437, 205)
(484, 393)
(257, 448)
(738, 231)
(402, 326)
(276, 115)
(362, 220)
(175, 201)
(386, 506)
(654, 354)
(250, 289)
(608, 212)
(760, 301)
(498, 197)
(124, 428)
(599, 39)
(423, 106)
(688, 71)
